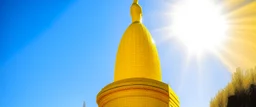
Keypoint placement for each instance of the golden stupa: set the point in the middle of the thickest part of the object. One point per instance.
(137, 77)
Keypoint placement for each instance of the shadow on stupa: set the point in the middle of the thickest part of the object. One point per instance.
(239, 92)
(244, 98)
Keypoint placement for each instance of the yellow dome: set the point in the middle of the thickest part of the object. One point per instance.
(137, 54)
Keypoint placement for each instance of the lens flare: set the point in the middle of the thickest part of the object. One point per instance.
(199, 25)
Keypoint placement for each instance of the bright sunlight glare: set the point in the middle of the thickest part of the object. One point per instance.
(199, 25)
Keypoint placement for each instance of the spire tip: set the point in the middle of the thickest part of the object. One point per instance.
(136, 11)
(83, 103)
(135, 1)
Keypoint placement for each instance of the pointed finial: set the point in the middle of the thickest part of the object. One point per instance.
(84, 104)
(136, 12)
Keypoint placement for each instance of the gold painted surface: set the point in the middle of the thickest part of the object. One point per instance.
(137, 76)
(137, 54)
(137, 92)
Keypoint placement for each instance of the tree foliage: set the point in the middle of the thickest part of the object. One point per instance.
(241, 82)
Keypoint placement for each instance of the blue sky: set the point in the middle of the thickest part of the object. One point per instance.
(59, 53)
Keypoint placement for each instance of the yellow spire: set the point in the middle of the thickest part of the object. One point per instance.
(136, 11)
(137, 55)
(137, 78)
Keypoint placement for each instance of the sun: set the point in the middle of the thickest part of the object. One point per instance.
(199, 24)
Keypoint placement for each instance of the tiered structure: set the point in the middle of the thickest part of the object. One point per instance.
(137, 78)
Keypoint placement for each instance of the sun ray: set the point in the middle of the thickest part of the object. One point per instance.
(243, 20)
(233, 55)
(232, 3)
(248, 9)
(194, 24)
(225, 61)
(164, 33)
(183, 73)
(200, 78)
